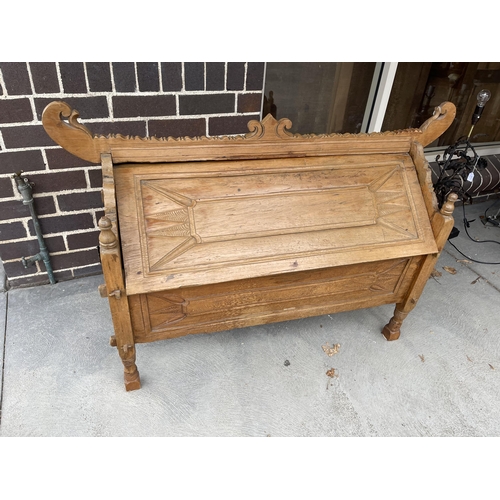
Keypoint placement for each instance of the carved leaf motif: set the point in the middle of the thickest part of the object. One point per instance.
(165, 310)
(180, 215)
(178, 230)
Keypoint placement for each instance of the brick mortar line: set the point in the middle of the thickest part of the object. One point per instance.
(136, 78)
(10, 198)
(113, 119)
(32, 84)
(110, 107)
(55, 254)
(160, 77)
(169, 117)
(87, 180)
(42, 273)
(52, 170)
(16, 196)
(86, 76)
(70, 212)
(59, 80)
(109, 95)
(54, 193)
(63, 234)
(112, 76)
(44, 157)
(89, 211)
(25, 223)
(2, 85)
(62, 252)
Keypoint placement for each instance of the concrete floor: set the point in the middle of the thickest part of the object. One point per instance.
(441, 378)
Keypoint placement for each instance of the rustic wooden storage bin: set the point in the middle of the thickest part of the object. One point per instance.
(205, 234)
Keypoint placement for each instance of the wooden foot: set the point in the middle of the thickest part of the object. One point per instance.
(130, 373)
(392, 330)
(132, 381)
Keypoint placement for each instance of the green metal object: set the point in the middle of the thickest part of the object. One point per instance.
(25, 189)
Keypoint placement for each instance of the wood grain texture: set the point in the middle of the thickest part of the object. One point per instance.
(118, 304)
(236, 304)
(223, 221)
(442, 224)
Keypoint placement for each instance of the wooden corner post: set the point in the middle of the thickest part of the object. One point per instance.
(114, 288)
(442, 224)
(118, 303)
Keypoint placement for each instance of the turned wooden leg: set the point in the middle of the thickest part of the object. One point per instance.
(130, 372)
(114, 290)
(392, 330)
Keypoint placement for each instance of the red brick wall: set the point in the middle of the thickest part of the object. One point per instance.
(144, 99)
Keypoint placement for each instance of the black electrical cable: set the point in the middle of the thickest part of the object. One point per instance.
(489, 208)
(466, 225)
(476, 241)
(470, 258)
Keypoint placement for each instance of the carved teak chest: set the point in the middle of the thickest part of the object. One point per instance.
(205, 234)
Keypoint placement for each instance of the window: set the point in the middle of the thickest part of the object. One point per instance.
(419, 87)
(319, 98)
(367, 97)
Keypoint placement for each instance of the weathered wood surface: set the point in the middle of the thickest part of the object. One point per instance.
(188, 224)
(118, 303)
(236, 304)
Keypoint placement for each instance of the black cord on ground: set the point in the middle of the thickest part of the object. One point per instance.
(491, 206)
(470, 258)
(466, 223)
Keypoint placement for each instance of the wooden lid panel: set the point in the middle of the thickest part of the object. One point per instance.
(197, 223)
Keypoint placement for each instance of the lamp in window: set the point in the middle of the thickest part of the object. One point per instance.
(482, 98)
(458, 168)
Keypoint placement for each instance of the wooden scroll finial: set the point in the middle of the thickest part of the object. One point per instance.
(437, 124)
(70, 134)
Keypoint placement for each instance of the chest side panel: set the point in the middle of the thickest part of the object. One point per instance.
(208, 308)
